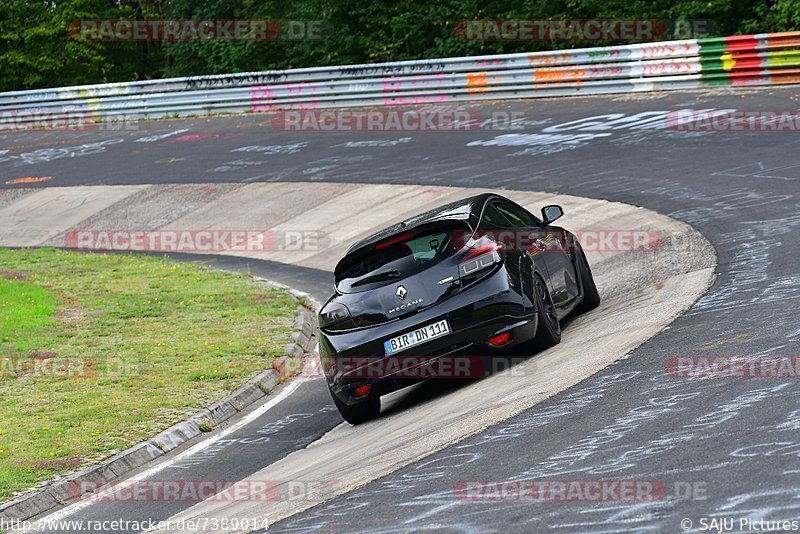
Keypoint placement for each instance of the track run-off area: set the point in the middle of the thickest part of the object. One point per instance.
(602, 405)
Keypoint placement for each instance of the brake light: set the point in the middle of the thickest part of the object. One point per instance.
(480, 258)
(361, 390)
(391, 241)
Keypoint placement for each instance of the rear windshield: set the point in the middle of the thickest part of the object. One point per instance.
(384, 264)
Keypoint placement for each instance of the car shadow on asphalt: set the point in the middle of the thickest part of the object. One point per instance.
(434, 388)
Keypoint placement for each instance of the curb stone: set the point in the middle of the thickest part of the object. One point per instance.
(65, 491)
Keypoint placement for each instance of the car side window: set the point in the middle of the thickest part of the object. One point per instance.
(518, 216)
(493, 216)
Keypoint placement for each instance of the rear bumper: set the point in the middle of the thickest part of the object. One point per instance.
(470, 358)
(492, 307)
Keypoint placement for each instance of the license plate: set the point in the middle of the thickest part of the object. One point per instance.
(416, 337)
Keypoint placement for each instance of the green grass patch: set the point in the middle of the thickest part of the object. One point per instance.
(101, 351)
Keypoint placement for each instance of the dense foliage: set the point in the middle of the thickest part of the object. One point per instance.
(36, 49)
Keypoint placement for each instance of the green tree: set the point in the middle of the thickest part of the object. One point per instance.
(36, 49)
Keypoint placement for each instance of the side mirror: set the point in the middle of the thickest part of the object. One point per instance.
(551, 213)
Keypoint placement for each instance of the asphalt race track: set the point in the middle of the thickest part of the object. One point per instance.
(718, 447)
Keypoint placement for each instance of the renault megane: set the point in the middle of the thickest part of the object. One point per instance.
(475, 277)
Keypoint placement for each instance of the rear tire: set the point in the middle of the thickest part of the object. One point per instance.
(358, 413)
(548, 330)
(591, 298)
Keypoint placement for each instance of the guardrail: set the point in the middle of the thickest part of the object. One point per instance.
(760, 59)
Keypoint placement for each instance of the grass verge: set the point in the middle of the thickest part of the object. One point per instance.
(101, 351)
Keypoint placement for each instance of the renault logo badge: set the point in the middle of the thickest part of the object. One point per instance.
(401, 292)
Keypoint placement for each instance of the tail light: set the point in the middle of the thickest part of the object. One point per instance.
(333, 314)
(481, 255)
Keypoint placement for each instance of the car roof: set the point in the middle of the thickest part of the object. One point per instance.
(467, 209)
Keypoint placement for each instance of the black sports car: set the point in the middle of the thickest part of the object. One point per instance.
(439, 293)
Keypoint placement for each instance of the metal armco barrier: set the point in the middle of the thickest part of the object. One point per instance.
(745, 60)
